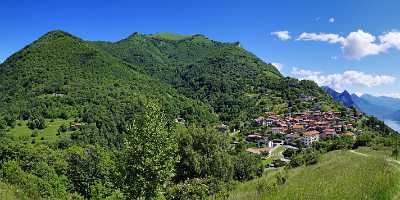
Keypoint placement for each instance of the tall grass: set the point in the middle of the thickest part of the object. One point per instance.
(338, 175)
(8, 192)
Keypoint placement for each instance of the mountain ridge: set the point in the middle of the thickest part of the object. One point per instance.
(60, 63)
(381, 107)
(344, 97)
(209, 75)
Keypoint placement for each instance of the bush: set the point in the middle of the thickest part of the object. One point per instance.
(311, 157)
(288, 153)
(39, 123)
(64, 115)
(3, 123)
(266, 187)
(306, 157)
(246, 166)
(35, 133)
(188, 190)
(10, 120)
(63, 128)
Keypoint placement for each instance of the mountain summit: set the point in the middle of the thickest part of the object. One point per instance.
(344, 97)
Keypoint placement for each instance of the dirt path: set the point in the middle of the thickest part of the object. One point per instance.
(358, 153)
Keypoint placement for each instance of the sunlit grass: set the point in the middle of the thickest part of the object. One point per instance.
(338, 175)
(49, 134)
(8, 192)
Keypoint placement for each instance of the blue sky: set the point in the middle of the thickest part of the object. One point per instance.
(339, 52)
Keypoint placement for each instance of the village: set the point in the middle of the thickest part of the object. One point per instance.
(297, 130)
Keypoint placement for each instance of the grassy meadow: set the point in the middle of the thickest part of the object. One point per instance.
(49, 134)
(9, 192)
(361, 174)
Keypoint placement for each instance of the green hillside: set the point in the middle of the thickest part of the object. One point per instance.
(237, 84)
(61, 76)
(339, 175)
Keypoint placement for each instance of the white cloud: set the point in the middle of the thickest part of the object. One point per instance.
(391, 39)
(331, 20)
(360, 44)
(279, 66)
(282, 35)
(389, 94)
(357, 44)
(321, 37)
(359, 94)
(340, 81)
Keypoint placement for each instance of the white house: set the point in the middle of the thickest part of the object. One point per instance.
(310, 137)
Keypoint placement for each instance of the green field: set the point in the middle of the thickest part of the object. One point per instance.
(49, 134)
(9, 192)
(361, 174)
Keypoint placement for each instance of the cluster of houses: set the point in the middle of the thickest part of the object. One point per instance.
(306, 127)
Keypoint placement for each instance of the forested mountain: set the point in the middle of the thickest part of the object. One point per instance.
(236, 84)
(60, 74)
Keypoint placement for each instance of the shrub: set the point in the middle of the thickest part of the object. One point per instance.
(39, 123)
(64, 115)
(191, 189)
(3, 123)
(246, 166)
(63, 128)
(10, 120)
(35, 133)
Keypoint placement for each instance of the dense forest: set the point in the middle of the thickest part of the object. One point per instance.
(136, 119)
(235, 83)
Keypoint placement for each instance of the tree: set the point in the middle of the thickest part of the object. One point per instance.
(204, 153)
(149, 155)
(91, 171)
(288, 153)
(64, 115)
(246, 166)
(3, 123)
(39, 123)
(10, 120)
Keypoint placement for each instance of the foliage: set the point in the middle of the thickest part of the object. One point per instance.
(149, 155)
(196, 189)
(247, 166)
(236, 84)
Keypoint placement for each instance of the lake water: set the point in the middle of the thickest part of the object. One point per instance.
(395, 125)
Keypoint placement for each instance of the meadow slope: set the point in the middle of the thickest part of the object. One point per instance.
(361, 174)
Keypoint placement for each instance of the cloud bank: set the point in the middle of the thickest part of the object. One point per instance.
(339, 81)
(357, 44)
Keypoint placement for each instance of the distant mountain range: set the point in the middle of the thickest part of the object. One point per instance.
(344, 97)
(381, 107)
